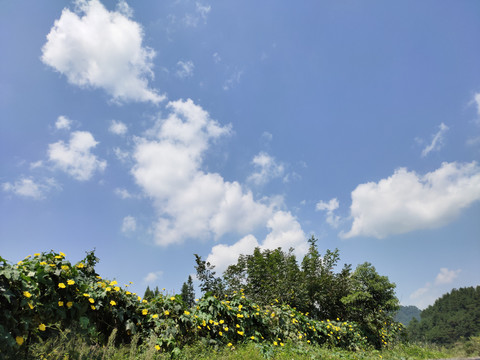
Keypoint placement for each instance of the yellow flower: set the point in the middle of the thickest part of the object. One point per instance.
(86, 295)
(62, 254)
(229, 344)
(221, 322)
(30, 306)
(128, 293)
(144, 311)
(275, 343)
(166, 312)
(113, 303)
(252, 337)
(92, 307)
(70, 282)
(80, 265)
(27, 294)
(65, 267)
(69, 304)
(19, 340)
(108, 288)
(144, 301)
(42, 327)
(238, 326)
(61, 285)
(60, 303)
(282, 344)
(240, 333)
(114, 282)
(154, 316)
(172, 298)
(91, 300)
(220, 333)
(43, 263)
(36, 254)
(186, 312)
(239, 316)
(116, 288)
(225, 328)
(157, 347)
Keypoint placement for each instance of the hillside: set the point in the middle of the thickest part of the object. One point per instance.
(406, 313)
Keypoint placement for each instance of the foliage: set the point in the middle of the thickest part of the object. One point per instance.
(188, 292)
(454, 316)
(406, 313)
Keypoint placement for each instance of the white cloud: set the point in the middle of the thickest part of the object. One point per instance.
(151, 277)
(123, 193)
(75, 158)
(185, 69)
(267, 167)
(121, 155)
(437, 140)
(446, 276)
(285, 232)
(96, 48)
(129, 224)
(118, 128)
(201, 13)
(63, 123)
(190, 202)
(29, 188)
(407, 201)
(476, 100)
(330, 208)
(216, 58)
(233, 79)
(427, 294)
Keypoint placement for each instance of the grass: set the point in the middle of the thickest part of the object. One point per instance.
(68, 346)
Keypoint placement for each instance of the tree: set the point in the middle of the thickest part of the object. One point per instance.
(149, 294)
(188, 292)
(372, 302)
(206, 276)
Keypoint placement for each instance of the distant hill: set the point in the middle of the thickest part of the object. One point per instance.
(454, 316)
(406, 313)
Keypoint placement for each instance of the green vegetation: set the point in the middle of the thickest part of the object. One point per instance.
(53, 309)
(406, 313)
(453, 317)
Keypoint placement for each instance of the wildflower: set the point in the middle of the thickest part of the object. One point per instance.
(252, 337)
(108, 288)
(42, 327)
(86, 295)
(225, 328)
(27, 294)
(144, 311)
(229, 344)
(30, 306)
(275, 343)
(239, 316)
(128, 293)
(70, 282)
(238, 326)
(62, 254)
(240, 307)
(43, 263)
(172, 298)
(157, 347)
(19, 340)
(154, 316)
(91, 300)
(186, 312)
(113, 303)
(282, 344)
(116, 288)
(114, 282)
(60, 303)
(220, 333)
(36, 254)
(92, 307)
(20, 262)
(65, 267)
(144, 301)
(69, 304)
(221, 322)
(80, 265)
(166, 312)
(138, 298)
(240, 333)
(61, 285)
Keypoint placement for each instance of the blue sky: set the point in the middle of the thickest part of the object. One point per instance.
(151, 131)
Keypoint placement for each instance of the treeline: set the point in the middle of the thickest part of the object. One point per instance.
(453, 317)
(406, 313)
(313, 287)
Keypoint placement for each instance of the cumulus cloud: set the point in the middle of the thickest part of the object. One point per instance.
(446, 276)
(267, 169)
(190, 202)
(151, 277)
(437, 140)
(427, 294)
(118, 128)
(185, 69)
(123, 193)
(76, 158)
(63, 123)
(129, 224)
(285, 232)
(330, 208)
(407, 201)
(30, 188)
(97, 48)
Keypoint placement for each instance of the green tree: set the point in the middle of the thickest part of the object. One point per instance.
(188, 292)
(372, 302)
(206, 275)
(149, 294)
